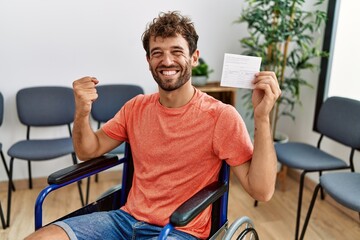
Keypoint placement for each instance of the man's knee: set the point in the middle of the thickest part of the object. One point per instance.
(49, 232)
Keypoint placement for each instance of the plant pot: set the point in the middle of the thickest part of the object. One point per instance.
(198, 80)
(281, 138)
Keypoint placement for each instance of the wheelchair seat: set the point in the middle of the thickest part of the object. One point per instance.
(215, 194)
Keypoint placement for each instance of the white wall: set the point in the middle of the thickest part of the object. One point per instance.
(53, 42)
(44, 42)
(346, 52)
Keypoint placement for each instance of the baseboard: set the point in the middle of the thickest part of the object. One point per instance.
(311, 184)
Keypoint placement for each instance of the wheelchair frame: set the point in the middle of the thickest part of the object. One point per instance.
(215, 193)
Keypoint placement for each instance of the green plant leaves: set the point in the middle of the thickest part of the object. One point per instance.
(281, 32)
(202, 69)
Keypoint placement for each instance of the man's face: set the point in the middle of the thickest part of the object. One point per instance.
(170, 62)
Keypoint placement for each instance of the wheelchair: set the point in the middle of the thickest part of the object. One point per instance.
(215, 194)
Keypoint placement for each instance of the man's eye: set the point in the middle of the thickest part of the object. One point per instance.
(177, 52)
(156, 54)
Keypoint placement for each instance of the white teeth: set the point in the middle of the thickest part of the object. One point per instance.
(168, 73)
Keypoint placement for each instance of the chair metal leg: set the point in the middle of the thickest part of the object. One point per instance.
(87, 190)
(312, 204)
(2, 217)
(322, 194)
(6, 169)
(81, 194)
(9, 193)
(79, 182)
(30, 176)
(301, 188)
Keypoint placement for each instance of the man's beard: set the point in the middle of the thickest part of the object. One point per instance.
(170, 85)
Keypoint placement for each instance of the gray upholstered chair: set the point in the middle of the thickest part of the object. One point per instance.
(343, 187)
(43, 107)
(2, 157)
(339, 120)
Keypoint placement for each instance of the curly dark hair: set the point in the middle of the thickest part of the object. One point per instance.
(171, 24)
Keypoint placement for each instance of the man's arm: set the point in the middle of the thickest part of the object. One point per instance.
(87, 143)
(258, 176)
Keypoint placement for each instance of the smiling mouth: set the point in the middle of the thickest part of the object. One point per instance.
(169, 72)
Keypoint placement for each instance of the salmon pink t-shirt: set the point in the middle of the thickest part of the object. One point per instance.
(177, 152)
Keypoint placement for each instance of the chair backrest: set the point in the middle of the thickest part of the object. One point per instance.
(339, 119)
(111, 98)
(45, 106)
(1, 108)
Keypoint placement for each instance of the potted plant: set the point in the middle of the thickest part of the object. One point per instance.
(200, 73)
(281, 32)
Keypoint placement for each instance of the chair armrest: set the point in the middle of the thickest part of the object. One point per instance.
(197, 203)
(85, 169)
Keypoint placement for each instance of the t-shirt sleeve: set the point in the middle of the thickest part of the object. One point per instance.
(232, 141)
(116, 127)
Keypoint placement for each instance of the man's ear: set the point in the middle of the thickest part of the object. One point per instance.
(195, 58)
(148, 61)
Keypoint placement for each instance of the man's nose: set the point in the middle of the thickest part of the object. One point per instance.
(167, 59)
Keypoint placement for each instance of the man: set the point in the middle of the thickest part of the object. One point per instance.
(179, 137)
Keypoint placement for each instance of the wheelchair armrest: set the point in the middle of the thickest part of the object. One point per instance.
(197, 203)
(91, 167)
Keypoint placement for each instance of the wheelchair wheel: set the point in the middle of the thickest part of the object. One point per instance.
(245, 226)
(251, 232)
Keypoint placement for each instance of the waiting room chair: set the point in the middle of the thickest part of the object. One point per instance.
(215, 193)
(43, 107)
(2, 217)
(338, 120)
(2, 157)
(1, 121)
(343, 187)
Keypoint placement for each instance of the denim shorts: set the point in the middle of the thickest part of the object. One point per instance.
(116, 224)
